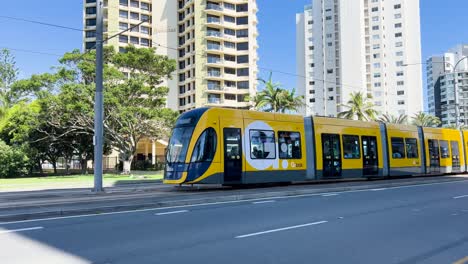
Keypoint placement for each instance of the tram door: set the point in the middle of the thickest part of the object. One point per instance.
(331, 152)
(434, 156)
(455, 156)
(370, 156)
(232, 155)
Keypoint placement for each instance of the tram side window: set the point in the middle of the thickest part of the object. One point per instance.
(351, 147)
(455, 150)
(206, 146)
(398, 148)
(444, 149)
(289, 145)
(412, 148)
(262, 144)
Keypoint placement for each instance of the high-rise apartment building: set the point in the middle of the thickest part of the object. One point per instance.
(305, 57)
(214, 43)
(362, 46)
(447, 85)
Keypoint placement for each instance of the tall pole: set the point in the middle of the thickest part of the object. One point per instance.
(455, 82)
(98, 103)
(457, 108)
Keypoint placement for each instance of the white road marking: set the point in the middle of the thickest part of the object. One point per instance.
(379, 189)
(173, 212)
(281, 229)
(227, 202)
(330, 194)
(262, 202)
(459, 197)
(20, 230)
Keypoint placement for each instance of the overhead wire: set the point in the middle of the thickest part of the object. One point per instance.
(33, 51)
(157, 44)
(41, 23)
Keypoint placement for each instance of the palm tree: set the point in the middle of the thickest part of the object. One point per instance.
(268, 99)
(273, 98)
(391, 119)
(359, 107)
(425, 120)
(290, 102)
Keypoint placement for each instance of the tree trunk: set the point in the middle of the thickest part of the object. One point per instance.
(84, 166)
(127, 165)
(54, 164)
(39, 166)
(67, 166)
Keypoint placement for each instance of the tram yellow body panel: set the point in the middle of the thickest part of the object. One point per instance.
(410, 157)
(448, 140)
(324, 125)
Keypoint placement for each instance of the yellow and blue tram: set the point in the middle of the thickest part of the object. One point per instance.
(231, 147)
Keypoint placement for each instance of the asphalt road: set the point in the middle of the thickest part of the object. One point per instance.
(405, 225)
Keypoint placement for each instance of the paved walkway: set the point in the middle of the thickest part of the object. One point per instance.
(47, 203)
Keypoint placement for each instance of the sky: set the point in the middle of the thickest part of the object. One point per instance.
(442, 27)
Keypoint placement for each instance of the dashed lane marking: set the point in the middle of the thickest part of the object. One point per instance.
(281, 229)
(262, 202)
(173, 212)
(21, 230)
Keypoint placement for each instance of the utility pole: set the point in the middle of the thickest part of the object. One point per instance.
(457, 107)
(455, 83)
(99, 102)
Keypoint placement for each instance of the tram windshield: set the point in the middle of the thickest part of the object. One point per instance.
(178, 144)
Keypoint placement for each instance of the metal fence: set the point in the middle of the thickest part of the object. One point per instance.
(108, 164)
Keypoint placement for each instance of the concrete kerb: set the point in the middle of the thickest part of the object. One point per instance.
(207, 200)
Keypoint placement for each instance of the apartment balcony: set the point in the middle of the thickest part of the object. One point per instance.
(214, 87)
(184, 4)
(90, 27)
(235, 90)
(90, 3)
(214, 34)
(230, 64)
(214, 47)
(183, 19)
(214, 75)
(186, 106)
(226, 103)
(214, 61)
(214, 21)
(230, 103)
(230, 76)
(213, 8)
(214, 101)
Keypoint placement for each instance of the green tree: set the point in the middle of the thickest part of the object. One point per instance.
(8, 76)
(425, 120)
(391, 119)
(359, 107)
(134, 103)
(273, 98)
(13, 162)
(23, 128)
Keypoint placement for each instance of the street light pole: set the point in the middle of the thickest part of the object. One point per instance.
(99, 102)
(457, 107)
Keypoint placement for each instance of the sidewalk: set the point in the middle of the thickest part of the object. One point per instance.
(65, 202)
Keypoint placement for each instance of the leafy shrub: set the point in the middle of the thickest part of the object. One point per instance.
(13, 162)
